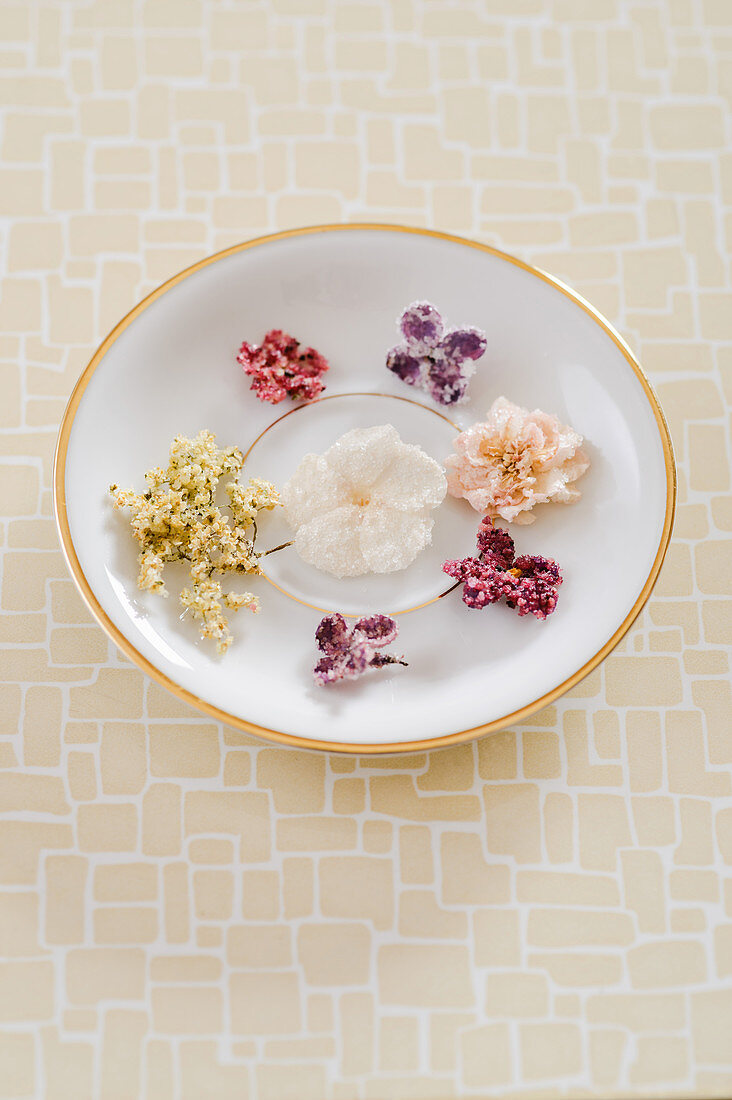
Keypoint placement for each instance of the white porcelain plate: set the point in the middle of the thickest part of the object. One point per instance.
(169, 367)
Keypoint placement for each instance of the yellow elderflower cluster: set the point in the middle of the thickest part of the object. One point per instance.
(177, 519)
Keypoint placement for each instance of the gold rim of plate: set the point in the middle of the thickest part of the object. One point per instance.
(59, 495)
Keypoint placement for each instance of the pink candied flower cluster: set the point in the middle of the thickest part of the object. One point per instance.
(528, 584)
(280, 368)
(350, 651)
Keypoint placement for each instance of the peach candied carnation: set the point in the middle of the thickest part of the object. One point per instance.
(514, 460)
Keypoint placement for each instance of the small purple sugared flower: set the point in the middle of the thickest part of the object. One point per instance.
(528, 584)
(439, 362)
(350, 651)
(422, 327)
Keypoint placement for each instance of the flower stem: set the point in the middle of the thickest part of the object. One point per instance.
(387, 659)
(280, 547)
(449, 590)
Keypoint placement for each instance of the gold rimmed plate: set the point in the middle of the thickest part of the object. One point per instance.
(169, 367)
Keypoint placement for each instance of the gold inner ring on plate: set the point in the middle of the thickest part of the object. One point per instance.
(335, 397)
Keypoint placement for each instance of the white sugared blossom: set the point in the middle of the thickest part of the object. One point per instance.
(364, 506)
(177, 519)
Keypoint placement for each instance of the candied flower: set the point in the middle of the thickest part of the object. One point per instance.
(281, 368)
(363, 506)
(350, 651)
(514, 460)
(177, 519)
(432, 359)
(528, 584)
(245, 501)
(205, 600)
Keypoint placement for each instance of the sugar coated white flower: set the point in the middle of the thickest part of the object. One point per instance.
(364, 505)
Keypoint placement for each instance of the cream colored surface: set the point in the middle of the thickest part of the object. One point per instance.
(188, 913)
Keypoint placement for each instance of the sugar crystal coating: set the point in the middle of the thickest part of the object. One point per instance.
(422, 326)
(349, 651)
(364, 505)
(280, 367)
(438, 362)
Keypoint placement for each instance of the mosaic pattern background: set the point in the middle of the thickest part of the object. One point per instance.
(186, 912)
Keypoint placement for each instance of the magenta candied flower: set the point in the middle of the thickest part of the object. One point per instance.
(281, 368)
(350, 651)
(439, 362)
(528, 584)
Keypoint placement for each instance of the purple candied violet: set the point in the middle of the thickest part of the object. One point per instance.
(422, 327)
(377, 629)
(528, 584)
(405, 366)
(281, 368)
(332, 635)
(464, 343)
(350, 651)
(495, 546)
(440, 363)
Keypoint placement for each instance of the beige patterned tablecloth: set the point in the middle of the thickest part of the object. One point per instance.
(186, 912)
